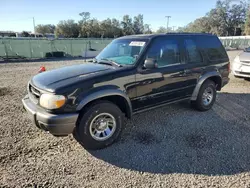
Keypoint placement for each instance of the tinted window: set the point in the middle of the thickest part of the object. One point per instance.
(192, 52)
(213, 48)
(164, 51)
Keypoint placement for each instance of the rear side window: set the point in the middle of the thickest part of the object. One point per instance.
(192, 52)
(213, 48)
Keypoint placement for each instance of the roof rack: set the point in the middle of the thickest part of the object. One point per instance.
(187, 33)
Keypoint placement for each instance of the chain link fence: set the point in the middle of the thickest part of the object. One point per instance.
(238, 42)
(32, 48)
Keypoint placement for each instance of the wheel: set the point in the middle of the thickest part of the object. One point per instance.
(206, 96)
(247, 79)
(100, 125)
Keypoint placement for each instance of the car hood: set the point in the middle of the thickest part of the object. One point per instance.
(245, 56)
(54, 79)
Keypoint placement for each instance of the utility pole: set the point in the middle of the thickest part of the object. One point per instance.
(34, 25)
(168, 17)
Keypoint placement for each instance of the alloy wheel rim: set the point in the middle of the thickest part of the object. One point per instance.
(207, 96)
(102, 127)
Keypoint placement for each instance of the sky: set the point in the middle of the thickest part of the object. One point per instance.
(17, 15)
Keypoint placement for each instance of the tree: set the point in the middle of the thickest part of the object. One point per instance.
(90, 28)
(85, 16)
(106, 28)
(127, 25)
(247, 24)
(200, 25)
(147, 29)
(68, 29)
(180, 29)
(226, 17)
(223, 20)
(138, 25)
(43, 29)
(116, 28)
(25, 34)
(83, 23)
(162, 30)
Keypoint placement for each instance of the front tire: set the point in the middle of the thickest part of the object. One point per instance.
(100, 125)
(206, 96)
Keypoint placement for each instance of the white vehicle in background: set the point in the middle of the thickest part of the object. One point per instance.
(241, 64)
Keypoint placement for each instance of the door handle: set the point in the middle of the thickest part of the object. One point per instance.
(187, 71)
(183, 73)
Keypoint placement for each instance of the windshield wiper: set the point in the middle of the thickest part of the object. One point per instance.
(109, 62)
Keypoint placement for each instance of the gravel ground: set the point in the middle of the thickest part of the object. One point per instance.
(174, 146)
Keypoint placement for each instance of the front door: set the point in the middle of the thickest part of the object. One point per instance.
(168, 81)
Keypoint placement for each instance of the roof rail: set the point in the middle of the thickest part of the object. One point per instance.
(189, 33)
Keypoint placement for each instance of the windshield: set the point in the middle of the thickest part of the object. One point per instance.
(123, 51)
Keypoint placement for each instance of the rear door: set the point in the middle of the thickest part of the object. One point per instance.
(194, 63)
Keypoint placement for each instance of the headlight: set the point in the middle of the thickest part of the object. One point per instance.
(51, 101)
(237, 59)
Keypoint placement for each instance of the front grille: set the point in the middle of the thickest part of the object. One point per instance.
(34, 93)
(245, 62)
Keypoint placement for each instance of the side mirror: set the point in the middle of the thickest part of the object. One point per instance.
(150, 63)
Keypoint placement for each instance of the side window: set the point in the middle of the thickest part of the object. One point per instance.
(164, 51)
(213, 48)
(192, 52)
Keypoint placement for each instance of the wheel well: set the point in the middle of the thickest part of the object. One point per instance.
(116, 99)
(217, 81)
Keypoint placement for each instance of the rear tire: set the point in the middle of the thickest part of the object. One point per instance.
(100, 125)
(206, 96)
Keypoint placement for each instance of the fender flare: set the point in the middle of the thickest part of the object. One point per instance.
(201, 80)
(106, 93)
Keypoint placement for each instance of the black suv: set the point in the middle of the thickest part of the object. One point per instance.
(132, 74)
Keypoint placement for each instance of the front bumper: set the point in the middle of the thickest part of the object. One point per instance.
(241, 69)
(241, 74)
(56, 124)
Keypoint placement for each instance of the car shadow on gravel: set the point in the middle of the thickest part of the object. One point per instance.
(177, 139)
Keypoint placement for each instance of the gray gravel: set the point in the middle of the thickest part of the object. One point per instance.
(174, 146)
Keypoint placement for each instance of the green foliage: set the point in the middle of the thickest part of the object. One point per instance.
(25, 34)
(227, 18)
(247, 24)
(147, 29)
(127, 25)
(68, 29)
(223, 20)
(138, 25)
(162, 30)
(43, 29)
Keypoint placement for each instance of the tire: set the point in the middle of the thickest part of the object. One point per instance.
(100, 112)
(202, 104)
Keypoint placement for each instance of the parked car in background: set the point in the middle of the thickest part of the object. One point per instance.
(131, 75)
(241, 64)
